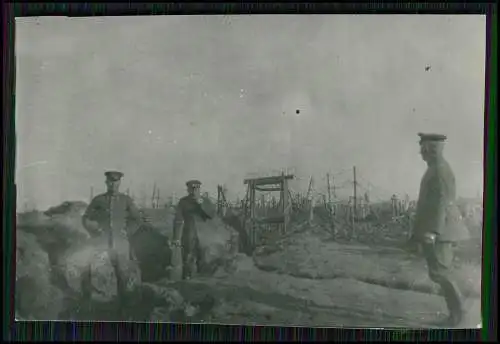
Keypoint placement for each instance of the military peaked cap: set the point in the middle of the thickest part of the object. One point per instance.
(113, 175)
(193, 182)
(431, 137)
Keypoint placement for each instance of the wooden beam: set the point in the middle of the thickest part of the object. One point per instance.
(268, 180)
(270, 220)
(268, 189)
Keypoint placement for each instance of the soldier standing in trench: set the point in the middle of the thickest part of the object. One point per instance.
(438, 224)
(185, 234)
(114, 217)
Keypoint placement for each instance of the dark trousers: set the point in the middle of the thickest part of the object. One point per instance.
(127, 280)
(191, 256)
(439, 257)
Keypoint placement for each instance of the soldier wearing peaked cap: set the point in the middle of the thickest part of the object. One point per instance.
(438, 225)
(190, 209)
(114, 217)
(113, 175)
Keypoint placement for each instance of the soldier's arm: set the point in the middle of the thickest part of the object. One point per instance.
(89, 220)
(438, 202)
(206, 209)
(178, 221)
(134, 216)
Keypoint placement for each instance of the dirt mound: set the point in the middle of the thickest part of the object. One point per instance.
(218, 240)
(310, 255)
(57, 229)
(251, 296)
(152, 249)
(74, 266)
(310, 280)
(55, 249)
(67, 208)
(36, 297)
(30, 218)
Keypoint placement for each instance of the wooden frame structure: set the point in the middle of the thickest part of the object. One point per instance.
(275, 183)
(221, 201)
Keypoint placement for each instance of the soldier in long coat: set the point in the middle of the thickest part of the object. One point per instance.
(114, 217)
(438, 224)
(190, 209)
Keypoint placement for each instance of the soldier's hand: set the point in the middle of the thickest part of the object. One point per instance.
(175, 243)
(90, 224)
(92, 227)
(113, 255)
(430, 238)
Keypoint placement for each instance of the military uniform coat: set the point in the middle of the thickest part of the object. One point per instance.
(118, 218)
(437, 211)
(187, 213)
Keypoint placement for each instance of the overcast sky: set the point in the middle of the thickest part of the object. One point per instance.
(166, 99)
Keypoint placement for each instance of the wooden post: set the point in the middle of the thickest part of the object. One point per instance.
(153, 196)
(253, 235)
(310, 199)
(329, 193)
(143, 198)
(330, 207)
(334, 188)
(218, 200)
(262, 205)
(354, 200)
(223, 201)
(286, 210)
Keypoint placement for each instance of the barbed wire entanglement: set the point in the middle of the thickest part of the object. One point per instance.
(345, 194)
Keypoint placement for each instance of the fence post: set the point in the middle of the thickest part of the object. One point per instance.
(330, 207)
(310, 198)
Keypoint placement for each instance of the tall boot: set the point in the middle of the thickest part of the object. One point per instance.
(84, 306)
(453, 300)
(119, 307)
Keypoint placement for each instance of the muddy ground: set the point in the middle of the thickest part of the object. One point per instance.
(302, 278)
(306, 280)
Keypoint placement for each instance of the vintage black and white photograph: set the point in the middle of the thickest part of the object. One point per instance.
(286, 170)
